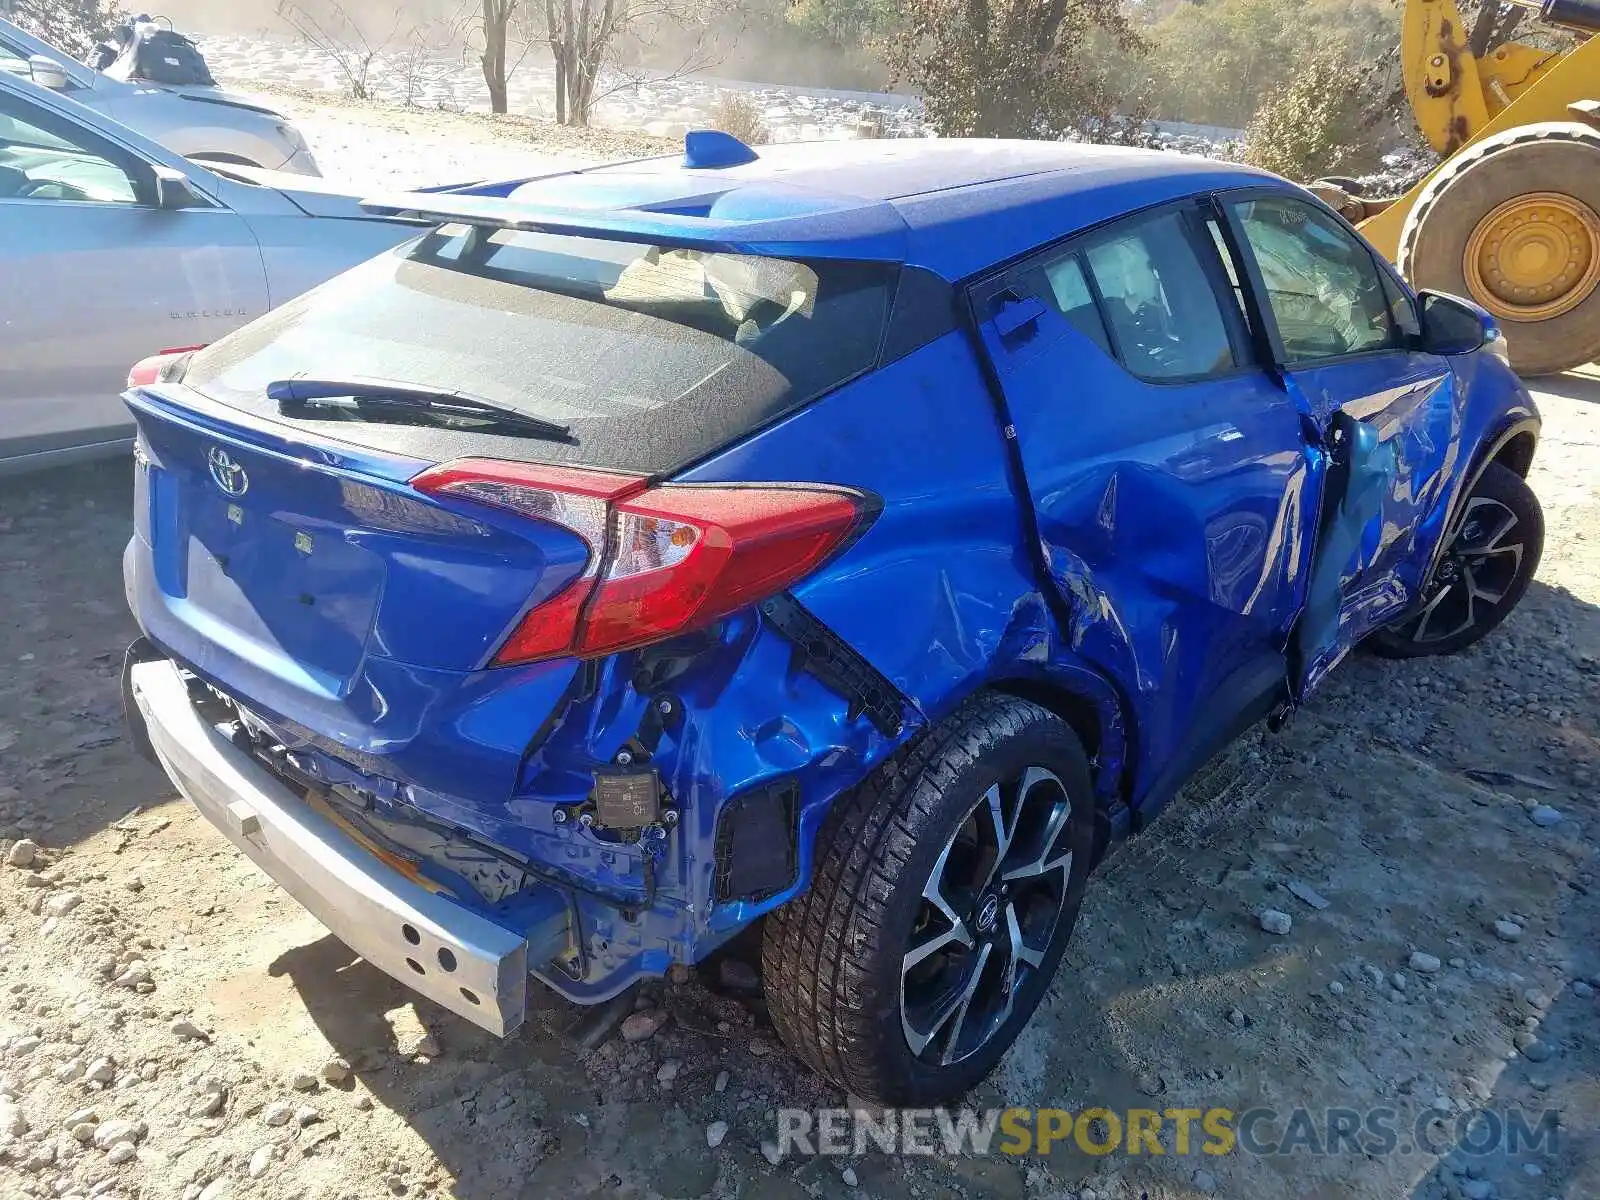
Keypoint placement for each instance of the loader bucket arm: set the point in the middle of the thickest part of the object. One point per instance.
(1570, 79)
(1454, 93)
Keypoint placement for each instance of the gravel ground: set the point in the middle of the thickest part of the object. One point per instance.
(172, 1025)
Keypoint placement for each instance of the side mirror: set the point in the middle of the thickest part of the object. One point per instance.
(1451, 325)
(47, 72)
(174, 191)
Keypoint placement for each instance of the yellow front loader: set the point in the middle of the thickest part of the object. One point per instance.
(1511, 217)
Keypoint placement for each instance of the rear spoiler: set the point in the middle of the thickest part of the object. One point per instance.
(498, 212)
(803, 224)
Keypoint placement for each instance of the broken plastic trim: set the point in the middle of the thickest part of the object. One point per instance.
(757, 852)
(822, 653)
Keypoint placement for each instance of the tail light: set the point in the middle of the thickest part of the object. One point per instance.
(662, 560)
(160, 368)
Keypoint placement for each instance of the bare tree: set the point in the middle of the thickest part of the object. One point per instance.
(588, 38)
(738, 114)
(493, 30)
(414, 61)
(1018, 68)
(74, 25)
(341, 38)
(496, 29)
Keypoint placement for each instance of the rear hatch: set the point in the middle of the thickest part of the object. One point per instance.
(300, 544)
(312, 583)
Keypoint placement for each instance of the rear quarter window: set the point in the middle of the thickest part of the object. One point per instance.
(1161, 308)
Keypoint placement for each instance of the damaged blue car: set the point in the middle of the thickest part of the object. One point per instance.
(858, 539)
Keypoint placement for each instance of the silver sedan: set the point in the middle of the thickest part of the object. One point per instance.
(113, 248)
(199, 122)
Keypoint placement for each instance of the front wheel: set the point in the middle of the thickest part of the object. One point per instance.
(944, 892)
(1490, 562)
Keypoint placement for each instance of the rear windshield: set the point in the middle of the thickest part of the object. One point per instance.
(652, 356)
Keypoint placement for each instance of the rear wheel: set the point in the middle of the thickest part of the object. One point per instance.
(1514, 222)
(1490, 562)
(944, 892)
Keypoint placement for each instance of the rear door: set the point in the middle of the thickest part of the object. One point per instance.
(1169, 473)
(1344, 331)
(98, 277)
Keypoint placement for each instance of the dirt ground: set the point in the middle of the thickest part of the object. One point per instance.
(1402, 799)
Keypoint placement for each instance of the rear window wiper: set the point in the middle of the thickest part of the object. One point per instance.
(369, 397)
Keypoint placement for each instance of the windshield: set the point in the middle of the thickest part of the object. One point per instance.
(651, 355)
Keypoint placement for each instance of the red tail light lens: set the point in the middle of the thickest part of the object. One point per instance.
(574, 499)
(684, 556)
(159, 368)
(663, 560)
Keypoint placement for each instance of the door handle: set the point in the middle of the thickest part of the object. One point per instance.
(1016, 318)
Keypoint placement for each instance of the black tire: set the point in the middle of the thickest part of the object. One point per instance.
(1503, 488)
(832, 958)
(1560, 157)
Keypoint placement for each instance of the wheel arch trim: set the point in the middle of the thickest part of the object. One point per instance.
(1093, 709)
(1515, 432)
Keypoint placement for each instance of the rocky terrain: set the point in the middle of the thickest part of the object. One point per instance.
(1392, 903)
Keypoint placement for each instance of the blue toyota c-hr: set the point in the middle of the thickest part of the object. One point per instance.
(856, 538)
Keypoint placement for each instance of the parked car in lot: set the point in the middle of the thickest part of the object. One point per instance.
(112, 246)
(855, 538)
(196, 121)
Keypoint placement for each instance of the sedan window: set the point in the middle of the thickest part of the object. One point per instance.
(1325, 290)
(44, 164)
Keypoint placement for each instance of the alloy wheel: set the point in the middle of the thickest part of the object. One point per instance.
(990, 909)
(1476, 574)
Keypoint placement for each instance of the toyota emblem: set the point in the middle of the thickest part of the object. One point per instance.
(227, 474)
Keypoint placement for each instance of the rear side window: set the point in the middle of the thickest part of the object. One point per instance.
(653, 356)
(1069, 288)
(1158, 300)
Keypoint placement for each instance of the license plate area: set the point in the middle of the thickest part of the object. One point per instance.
(303, 589)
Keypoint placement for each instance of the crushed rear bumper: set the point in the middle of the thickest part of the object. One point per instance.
(457, 958)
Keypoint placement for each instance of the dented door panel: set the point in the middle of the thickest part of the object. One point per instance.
(1394, 421)
(1174, 523)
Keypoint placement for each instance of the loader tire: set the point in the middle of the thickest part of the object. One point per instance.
(1514, 223)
